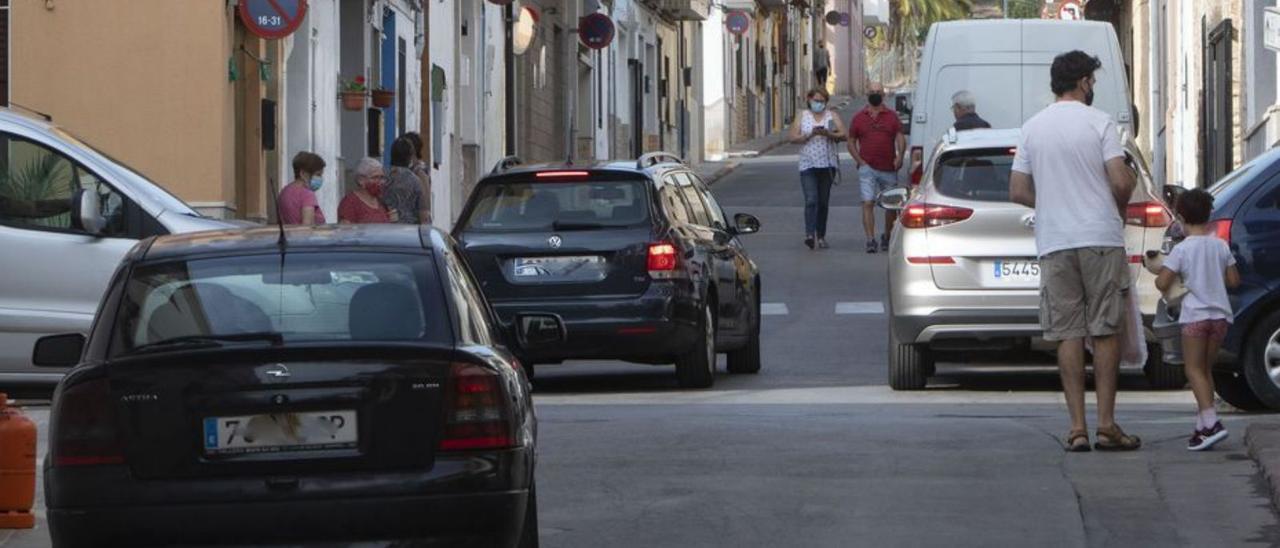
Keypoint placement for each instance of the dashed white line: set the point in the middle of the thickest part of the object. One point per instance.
(774, 309)
(863, 307)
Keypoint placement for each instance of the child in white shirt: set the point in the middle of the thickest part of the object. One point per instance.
(1208, 269)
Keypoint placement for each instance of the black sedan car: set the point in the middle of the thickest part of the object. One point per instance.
(337, 384)
(636, 258)
(1246, 214)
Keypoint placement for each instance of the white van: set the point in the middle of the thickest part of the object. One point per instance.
(68, 214)
(1005, 64)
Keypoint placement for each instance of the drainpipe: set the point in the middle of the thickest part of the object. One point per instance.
(508, 80)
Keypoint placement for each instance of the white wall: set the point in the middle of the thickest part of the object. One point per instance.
(310, 77)
(442, 51)
(715, 83)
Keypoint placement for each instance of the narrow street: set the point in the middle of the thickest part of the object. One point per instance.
(817, 451)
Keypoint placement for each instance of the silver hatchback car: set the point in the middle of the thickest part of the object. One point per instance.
(964, 275)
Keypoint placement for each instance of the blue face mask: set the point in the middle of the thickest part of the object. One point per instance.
(817, 106)
(315, 183)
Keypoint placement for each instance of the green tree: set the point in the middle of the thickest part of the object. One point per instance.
(910, 19)
(1025, 9)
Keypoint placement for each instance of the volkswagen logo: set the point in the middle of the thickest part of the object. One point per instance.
(555, 241)
(277, 373)
(1029, 220)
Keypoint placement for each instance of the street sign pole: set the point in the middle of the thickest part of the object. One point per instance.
(1005, 10)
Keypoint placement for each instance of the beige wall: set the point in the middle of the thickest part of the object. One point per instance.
(143, 80)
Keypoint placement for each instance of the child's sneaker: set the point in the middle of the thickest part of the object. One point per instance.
(1207, 438)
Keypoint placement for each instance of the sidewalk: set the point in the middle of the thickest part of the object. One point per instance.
(711, 171)
(1263, 443)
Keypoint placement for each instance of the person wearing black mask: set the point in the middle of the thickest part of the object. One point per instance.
(877, 144)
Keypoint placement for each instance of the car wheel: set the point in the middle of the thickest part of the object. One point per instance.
(1261, 360)
(529, 531)
(747, 358)
(696, 369)
(1160, 375)
(1234, 389)
(909, 364)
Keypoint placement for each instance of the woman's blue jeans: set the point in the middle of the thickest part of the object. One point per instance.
(816, 184)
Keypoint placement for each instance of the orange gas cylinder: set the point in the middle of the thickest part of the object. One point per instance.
(17, 467)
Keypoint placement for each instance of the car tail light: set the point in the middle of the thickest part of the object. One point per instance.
(83, 430)
(663, 258)
(1222, 229)
(575, 174)
(933, 215)
(931, 260)
(917, 165)
(1147, 214)
(477, 415)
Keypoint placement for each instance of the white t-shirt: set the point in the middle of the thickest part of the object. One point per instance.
(1202, 262)
(1064, 148)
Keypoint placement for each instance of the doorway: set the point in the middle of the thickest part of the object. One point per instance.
(1215, 121)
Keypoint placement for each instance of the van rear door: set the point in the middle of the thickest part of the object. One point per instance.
(1044, 40)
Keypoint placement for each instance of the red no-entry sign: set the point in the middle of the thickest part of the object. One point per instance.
(272, 19)
(737, 22)
(596, 30)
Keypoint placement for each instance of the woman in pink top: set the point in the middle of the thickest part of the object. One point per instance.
(298, 204)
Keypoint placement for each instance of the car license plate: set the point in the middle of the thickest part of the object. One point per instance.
(1012, 271)
(570, 268)
(280, 432)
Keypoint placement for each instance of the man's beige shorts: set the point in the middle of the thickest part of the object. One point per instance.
(1082, 292)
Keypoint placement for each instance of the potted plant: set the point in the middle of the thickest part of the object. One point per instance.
(353, 93)
(383, 98)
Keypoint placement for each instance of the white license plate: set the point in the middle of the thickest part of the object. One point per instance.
(280, 432)
(1014, 271)
(558, 267)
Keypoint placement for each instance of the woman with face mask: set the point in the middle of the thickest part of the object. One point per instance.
(364, 205)
(298, 204)
(817, 130)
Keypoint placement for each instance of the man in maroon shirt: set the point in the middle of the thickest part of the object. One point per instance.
(877, 144)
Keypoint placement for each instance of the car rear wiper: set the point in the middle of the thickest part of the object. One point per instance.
(206, 341)
(572, 225)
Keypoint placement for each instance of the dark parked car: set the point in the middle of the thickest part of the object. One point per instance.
(1246, 214)
(635, 257)
(338, 383)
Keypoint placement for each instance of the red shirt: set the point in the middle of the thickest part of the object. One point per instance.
(877, 136)
(353, 210)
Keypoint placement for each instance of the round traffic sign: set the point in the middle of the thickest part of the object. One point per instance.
(869, 32)
(737, 22)
(832, 18)
(1070, 11)
(272, 19)
(596, 30)
(844, 20)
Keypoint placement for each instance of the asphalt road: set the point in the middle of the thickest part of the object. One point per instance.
(817, 451)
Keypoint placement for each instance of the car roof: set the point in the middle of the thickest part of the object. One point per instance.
(618, 167)
(298, 238)
(981, 138)
(31, 121)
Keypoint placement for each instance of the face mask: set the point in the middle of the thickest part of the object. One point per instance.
(1088, 97)
(817, 106)
(374, 189)
(315, 183)
(875, 99)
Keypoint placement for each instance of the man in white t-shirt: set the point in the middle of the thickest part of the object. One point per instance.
(1070, 167)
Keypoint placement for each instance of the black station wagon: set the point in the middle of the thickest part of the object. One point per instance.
(636, 259)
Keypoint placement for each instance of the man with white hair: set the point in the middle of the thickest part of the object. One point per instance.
(363, 205)
(965, 108)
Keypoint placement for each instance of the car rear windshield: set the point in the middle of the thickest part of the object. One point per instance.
(575, 205)
(978, 174)
(302, 297)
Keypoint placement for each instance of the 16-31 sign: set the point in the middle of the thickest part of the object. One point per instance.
(272, 19)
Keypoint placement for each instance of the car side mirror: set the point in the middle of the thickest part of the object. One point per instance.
(535, 331)
(58, 350)
(893, 199)
(745, 223)
(1172, 193)
(86, 212)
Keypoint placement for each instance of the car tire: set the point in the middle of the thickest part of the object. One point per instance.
(1256, 361)
(1160, 375)
(1233, 388)
(746, 360)
(529, 531)
(909, 364)
(696, 368)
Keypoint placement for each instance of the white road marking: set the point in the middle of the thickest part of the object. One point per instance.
(774, 309)
(864, 307)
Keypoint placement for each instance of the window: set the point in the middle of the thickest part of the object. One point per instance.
(1263, 216)
(697, 207)
(473, 317)
(713, 207)
(559, 206)
(979, 174)
(38, 183)
(677, 210)
(304, 297)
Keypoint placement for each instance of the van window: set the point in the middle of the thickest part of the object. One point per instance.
(992, 87)
(1108, 95)
(979, 174)
(37, 184)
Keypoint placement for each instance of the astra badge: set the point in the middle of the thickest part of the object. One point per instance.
(555, 242)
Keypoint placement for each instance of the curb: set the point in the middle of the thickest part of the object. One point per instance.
(721, 173)
(1263, 444)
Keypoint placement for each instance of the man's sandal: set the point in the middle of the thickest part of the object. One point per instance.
(1114, 439)
(1077, 441)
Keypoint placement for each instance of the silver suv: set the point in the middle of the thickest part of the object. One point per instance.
(963, 270)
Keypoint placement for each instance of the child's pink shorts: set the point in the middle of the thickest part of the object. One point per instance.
(1215, 330)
